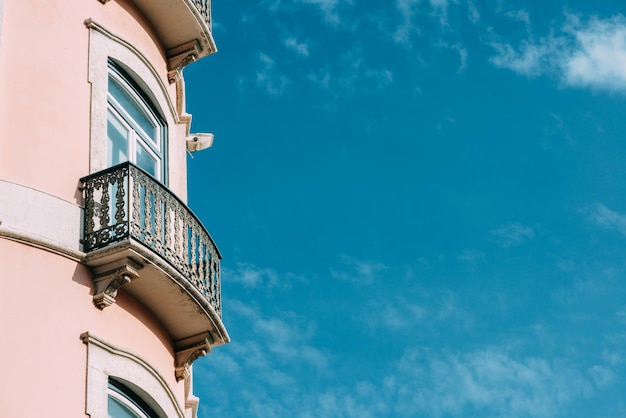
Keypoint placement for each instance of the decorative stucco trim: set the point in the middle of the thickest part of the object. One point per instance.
(110, 277)
(180, 57)
(105, 360)
(187, 354)
(40, 220)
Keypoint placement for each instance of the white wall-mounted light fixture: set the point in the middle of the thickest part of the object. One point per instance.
(198, 142)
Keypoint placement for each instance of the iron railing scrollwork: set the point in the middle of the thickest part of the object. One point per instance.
(204, 7)
(125, 202)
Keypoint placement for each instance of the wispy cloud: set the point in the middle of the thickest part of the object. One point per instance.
(590, 54)
(471, 257)
(490, 380)
(327, 8)
(420, 311)
(531, 59)
(473, 15)
(251, 276)
(358, 271)
(268, 78)
(520, 15)
(607, 218)
(511, 234)
(283, 337)
(351, 74)
(409, 9)
(300, 48)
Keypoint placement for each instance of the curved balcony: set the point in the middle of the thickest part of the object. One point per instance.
(139, 235)
(183, 26)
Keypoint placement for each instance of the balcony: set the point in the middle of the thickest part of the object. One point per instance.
(141, 238)
(183, 27)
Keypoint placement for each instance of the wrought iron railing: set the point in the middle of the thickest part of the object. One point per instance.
(204, 7)
(124, 202)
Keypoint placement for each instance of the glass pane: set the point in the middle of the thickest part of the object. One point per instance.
(117, 133)
(146, 161)
(117, 409)
(135, 110)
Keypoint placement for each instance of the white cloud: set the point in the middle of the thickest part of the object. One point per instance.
(358, 271)
(602, 377)
(300, 48)
(472, 12)
(607, 218)
(588, 54)
(352, 74)
(490, 380)
(440, 9)
(420, 312)
(519, 15)
(471, 257)
(600, 60)
(268, 78)
(512, 234)
(282, 338)
(327, 7)
(532, 59)
(251, 276)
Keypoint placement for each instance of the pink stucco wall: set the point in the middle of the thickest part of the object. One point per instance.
(44, 145)
(47, 304)
(44, 134)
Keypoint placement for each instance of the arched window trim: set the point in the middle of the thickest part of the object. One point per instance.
(107, 362)
(105, 47)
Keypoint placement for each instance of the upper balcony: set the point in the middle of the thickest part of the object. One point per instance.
(183, 26)
(139, 235)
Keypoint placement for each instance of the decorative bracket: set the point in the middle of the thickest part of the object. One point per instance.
(109, 278)
(179, 57)
(187, 354)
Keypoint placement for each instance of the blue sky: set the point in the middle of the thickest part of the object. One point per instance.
(421, 206)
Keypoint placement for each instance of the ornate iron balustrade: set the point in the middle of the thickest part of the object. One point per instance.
(124, 202)
(204, 7)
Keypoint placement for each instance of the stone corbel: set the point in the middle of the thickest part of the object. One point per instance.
(179, 57)
(185, 355)
(109, 278)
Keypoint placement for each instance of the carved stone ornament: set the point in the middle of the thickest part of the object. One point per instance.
(179, 57)
(108, 282)
(187, 355)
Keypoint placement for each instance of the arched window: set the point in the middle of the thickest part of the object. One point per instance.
(135, 131)
(123, 403)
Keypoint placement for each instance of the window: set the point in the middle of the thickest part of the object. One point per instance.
(123, 403)
(135, 132)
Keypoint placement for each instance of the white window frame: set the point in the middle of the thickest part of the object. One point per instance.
(137, 137)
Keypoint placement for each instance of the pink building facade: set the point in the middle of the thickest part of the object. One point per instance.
(111, 283)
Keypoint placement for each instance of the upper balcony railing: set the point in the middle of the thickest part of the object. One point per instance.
(204, 7)
(126, 203)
